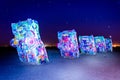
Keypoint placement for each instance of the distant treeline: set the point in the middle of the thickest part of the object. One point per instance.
(116, 49)
(5, 49)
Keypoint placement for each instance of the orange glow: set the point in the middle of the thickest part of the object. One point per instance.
(116, 45)
(50, 45)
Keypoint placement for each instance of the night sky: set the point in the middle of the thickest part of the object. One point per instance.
(87, 17)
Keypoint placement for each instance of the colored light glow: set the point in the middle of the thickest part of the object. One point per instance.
(68, 44)
(28, 42)
(87, 44)
(50, 45)
(116, 45)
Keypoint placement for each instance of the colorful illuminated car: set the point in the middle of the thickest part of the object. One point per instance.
(108, 42)
(100, 44)
(27, 40)
(87, 45)
(68, 44)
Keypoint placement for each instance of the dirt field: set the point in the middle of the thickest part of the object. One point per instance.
(104, 66)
